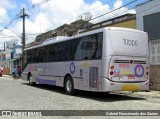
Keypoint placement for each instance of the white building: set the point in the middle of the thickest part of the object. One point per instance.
(148, 19)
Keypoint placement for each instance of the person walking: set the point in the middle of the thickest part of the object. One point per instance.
(19, 70)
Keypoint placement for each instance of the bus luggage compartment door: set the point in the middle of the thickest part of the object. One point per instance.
(93, 77)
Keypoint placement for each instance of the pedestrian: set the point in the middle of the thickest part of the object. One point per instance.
(1, 72)
(19, 71)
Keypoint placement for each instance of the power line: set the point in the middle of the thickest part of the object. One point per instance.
(148, 8)
(37, 4)
(92, 9)
(17, 15)
(113, 10)
(34, 34)
(6, 35)
(13, 32)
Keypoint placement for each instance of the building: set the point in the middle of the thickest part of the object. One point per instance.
(17, 56)
(5, 60)
(126, 20)
(11, 58)
(64, 30)
(148, 16)
(80, 26)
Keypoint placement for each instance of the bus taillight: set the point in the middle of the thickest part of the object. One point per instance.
(111, 72)
(112, 67)
(147, 73)
(147, 68)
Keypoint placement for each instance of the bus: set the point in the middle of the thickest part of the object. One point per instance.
(103, 60)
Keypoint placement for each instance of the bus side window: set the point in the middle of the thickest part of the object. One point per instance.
(51, 55)
(42, 54)
(30, 56)
(36, 55)
(92, 47)
(63, 51)
(75, 49)
(98, 45)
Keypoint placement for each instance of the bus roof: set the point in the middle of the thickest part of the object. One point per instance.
(64, 38)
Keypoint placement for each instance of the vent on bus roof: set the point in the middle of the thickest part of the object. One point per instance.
(50, 40)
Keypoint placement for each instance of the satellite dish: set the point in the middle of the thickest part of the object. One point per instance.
(85, 16)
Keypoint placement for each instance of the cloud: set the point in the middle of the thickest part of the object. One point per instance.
(7, 7)
(118, 4)
(3, 15)
(118, 10)
(55, 13)
(4, 6)
(8, 4)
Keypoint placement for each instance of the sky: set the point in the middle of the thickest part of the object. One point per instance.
(45, 15)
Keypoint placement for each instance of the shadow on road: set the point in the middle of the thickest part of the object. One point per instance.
(98, 96)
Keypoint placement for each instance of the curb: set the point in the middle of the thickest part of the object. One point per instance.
(150, 93)
(7, 76)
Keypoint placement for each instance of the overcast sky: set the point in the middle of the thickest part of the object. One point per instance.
(52, 14)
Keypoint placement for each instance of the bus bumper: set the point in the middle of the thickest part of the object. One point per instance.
(108, 86)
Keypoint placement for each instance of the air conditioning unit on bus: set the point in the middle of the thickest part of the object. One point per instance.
(50, 40)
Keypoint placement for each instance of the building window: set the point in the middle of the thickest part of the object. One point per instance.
(153, 60)
(158, 59)
(158, 49)
(153, 50)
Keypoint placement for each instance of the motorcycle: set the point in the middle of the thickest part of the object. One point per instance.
(15, 74)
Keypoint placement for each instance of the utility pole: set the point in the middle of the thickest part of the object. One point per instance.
(23, 16)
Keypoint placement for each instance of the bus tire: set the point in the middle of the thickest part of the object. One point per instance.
(30, 80)
(69, 86)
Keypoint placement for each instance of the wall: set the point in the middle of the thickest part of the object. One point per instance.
(152, 25)
(126, 24)
(154, 77)
(146, 9)
(147, 19)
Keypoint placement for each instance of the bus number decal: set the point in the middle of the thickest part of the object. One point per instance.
(139, 71)
(125, 72)
(85, 64)
(116, 72)
(123, 65)
(72, 67)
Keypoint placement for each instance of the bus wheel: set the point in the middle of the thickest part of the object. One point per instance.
(69, 86)
(31, 80)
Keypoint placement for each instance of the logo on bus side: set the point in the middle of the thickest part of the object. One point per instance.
(72, 67)
(139, 71)
(130, 42)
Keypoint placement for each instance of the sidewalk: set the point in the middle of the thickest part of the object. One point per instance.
(8, 76)
(150, 93)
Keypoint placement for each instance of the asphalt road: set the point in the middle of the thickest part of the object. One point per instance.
(18, 95)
